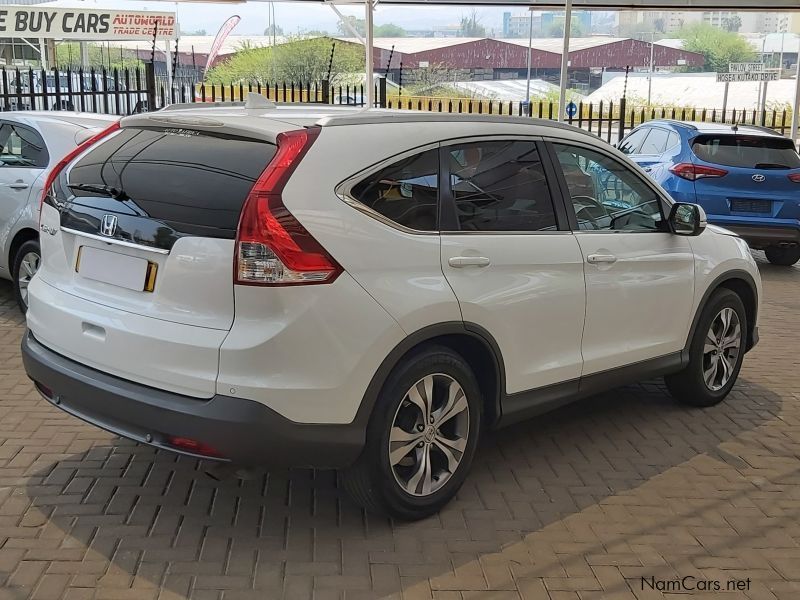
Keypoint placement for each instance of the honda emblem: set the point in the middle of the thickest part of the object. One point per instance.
(108, 226)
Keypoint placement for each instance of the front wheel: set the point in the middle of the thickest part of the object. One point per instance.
(421, 437)
(715, 354)
(26, 263)
(784, 256)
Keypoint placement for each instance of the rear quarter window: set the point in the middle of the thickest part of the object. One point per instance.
(749, 152)
(194, 181)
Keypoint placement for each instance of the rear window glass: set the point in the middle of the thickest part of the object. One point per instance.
(755, 152)
(194, 181)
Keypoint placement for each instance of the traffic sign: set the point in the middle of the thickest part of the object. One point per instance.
(739, 77)
(572, 109)
(749, 67)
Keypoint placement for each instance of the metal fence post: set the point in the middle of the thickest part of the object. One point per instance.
(622, 103)
(382, 92)
(150, 85)
(326, 90)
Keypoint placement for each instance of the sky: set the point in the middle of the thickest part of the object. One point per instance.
(299, 16)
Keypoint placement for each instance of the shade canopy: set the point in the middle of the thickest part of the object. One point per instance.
(683, 5)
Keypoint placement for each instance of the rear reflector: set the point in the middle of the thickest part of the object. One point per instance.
(694, 172)
(272, 247)
(193, 446)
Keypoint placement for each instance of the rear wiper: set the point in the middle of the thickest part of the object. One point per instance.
(100, 188)
(771, 166)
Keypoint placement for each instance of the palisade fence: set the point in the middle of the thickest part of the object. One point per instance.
(127, 91)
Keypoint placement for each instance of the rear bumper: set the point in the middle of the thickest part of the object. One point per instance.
(241, 431)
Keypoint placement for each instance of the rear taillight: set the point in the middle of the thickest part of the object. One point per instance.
(794, 177)
(272, 247)
(79, 149)
(694, 172)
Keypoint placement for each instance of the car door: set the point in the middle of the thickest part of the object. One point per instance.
(651, 156)
(510, 258)
(23, 159)
(639, 276)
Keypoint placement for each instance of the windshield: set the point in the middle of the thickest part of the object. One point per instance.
(749, 152)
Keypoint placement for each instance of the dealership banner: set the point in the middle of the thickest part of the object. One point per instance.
(38, 21)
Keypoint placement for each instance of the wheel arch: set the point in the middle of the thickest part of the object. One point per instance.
(472, 342)
(741, 283)
(25, 234)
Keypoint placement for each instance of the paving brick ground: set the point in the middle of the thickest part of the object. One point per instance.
(583, 503)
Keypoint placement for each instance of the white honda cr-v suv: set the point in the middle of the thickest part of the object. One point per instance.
(368, 291)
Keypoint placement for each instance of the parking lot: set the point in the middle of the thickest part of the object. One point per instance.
(608, 498)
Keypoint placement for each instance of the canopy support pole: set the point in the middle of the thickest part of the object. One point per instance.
(562, 95)
(530, 43)
(796, 111)
(369, 79)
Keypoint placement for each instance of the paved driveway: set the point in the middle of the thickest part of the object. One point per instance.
(618, 496)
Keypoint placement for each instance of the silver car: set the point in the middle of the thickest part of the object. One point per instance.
(31, 143)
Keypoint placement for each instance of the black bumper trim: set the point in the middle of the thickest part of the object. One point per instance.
(242, 431)
(763, 236)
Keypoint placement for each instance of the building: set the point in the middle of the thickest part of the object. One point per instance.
(520, 25)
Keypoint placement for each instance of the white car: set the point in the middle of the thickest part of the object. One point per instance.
(369, 291)
(31, 144)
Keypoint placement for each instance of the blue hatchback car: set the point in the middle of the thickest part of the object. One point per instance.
(747, 178)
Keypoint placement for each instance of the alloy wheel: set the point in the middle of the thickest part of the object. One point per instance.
(27, 269)
(429, 434)
(721, 349)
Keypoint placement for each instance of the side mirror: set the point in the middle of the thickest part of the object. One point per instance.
(687, 219)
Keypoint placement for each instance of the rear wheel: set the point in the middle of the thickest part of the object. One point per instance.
(784, 256)
(421, 437)
(715, 354)
(26, 263)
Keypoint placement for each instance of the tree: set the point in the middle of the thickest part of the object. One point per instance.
(719, 47)
(471, 25)
(557, 30)
(358, 24)
(300, 60)
(660, 25)
(732, 24)
(389, 30)
(273, 29)
(196, 32)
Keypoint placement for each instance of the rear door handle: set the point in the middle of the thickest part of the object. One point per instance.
(18, 185)
(468, 261)
(601, 258)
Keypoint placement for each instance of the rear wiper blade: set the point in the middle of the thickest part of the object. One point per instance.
(100, 188)
(771, 166)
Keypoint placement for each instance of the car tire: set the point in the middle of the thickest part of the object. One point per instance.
(784, 256)
(715, 353)
(26, 263)
(411, 468)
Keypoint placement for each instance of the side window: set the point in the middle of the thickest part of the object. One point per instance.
(405, 192)
(607, 195)
(656, 142)
(21, 147)
(632, 143)
(674, 140)
(500, 186)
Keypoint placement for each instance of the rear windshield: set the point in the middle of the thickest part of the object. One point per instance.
(756, 152)
(194, 181)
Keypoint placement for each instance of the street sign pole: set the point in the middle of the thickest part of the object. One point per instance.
(562, 94)
(725, 101)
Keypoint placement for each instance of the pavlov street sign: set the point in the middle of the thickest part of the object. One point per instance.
(38, 21)
(739, 77)
(746, 67)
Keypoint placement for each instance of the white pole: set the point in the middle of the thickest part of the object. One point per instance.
(84, 55)
(168, 54)
(562, 94)
(650, 77)
(796, 111)
(725, 101)
(530, 43)
(43, 54)
(764, 101)
(369, 79)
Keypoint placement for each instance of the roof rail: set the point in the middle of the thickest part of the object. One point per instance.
(373, 116)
